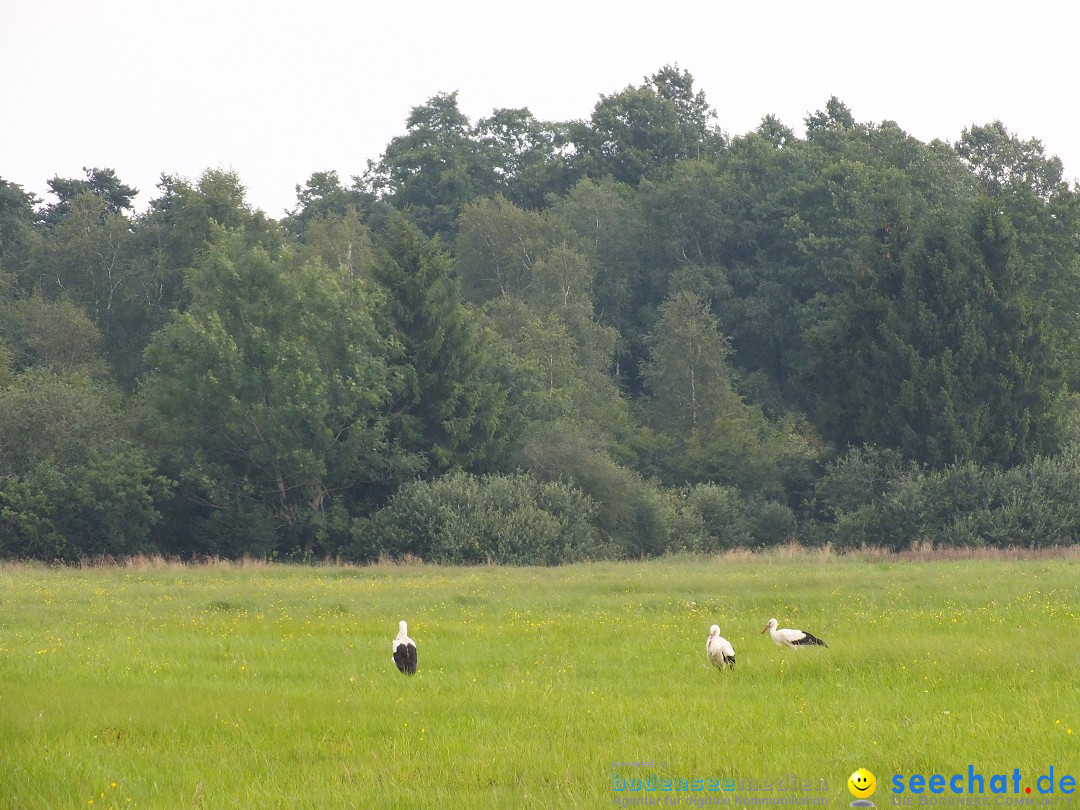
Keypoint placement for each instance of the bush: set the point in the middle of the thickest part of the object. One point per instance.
(460, 518)
(724, 515)
(72, 484)
(1029, 506)
(103, 507)
(771, 523)
(730, 520)
(632, 516)
(862, 476)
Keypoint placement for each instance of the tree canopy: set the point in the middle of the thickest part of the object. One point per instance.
(622, 335)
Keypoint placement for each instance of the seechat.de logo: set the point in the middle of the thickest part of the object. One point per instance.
(976, 783)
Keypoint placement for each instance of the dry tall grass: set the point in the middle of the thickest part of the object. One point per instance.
(924, 552)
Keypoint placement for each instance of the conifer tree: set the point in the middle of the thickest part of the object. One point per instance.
(446, 403)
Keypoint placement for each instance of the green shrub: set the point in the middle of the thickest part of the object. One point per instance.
(724, 515)
(966, 505)
(106, 506)
(771, 523)
(460, 518)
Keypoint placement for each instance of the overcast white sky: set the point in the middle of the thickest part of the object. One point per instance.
(279, 90)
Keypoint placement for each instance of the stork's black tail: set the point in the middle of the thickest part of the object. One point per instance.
(405, 658)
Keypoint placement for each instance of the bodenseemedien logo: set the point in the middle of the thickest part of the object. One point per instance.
(862, 785)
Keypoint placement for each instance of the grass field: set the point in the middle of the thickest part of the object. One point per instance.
(261, 686)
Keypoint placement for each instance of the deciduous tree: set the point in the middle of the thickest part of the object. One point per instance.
(271, 389)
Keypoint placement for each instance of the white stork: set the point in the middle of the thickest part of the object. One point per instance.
(719, 649)
(405, 650)
(792, 638)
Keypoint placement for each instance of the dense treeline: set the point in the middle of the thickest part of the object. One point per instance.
(531, 341)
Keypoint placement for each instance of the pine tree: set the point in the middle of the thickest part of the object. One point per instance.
(447, 404)
(937, 348)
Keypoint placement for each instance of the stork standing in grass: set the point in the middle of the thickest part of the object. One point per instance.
(405, 650)
(792, 638)
(719, 649)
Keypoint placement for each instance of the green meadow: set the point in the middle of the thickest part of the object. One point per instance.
(222, 686)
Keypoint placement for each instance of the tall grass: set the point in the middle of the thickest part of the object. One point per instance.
(157, 684)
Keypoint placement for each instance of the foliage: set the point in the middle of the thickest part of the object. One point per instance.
(607, 218)
(82, 491)
(341, 241)
(526, 159)
(643, 131)
(270, 391)
(938, 349)
(16, 219)
(1006, 164)
(54, 335)
(443, 162)
(447, 404)
(102, 184)
(460, 518)
(724, 516)
(324, 197)
(687, 373)
(86, 255)
(963, 505)
(847, 336)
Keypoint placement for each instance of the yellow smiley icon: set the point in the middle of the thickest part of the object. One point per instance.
(862, 784)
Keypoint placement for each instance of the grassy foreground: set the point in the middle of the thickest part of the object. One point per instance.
(272, 686)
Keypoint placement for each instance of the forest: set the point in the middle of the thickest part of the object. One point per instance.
(531, 342)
